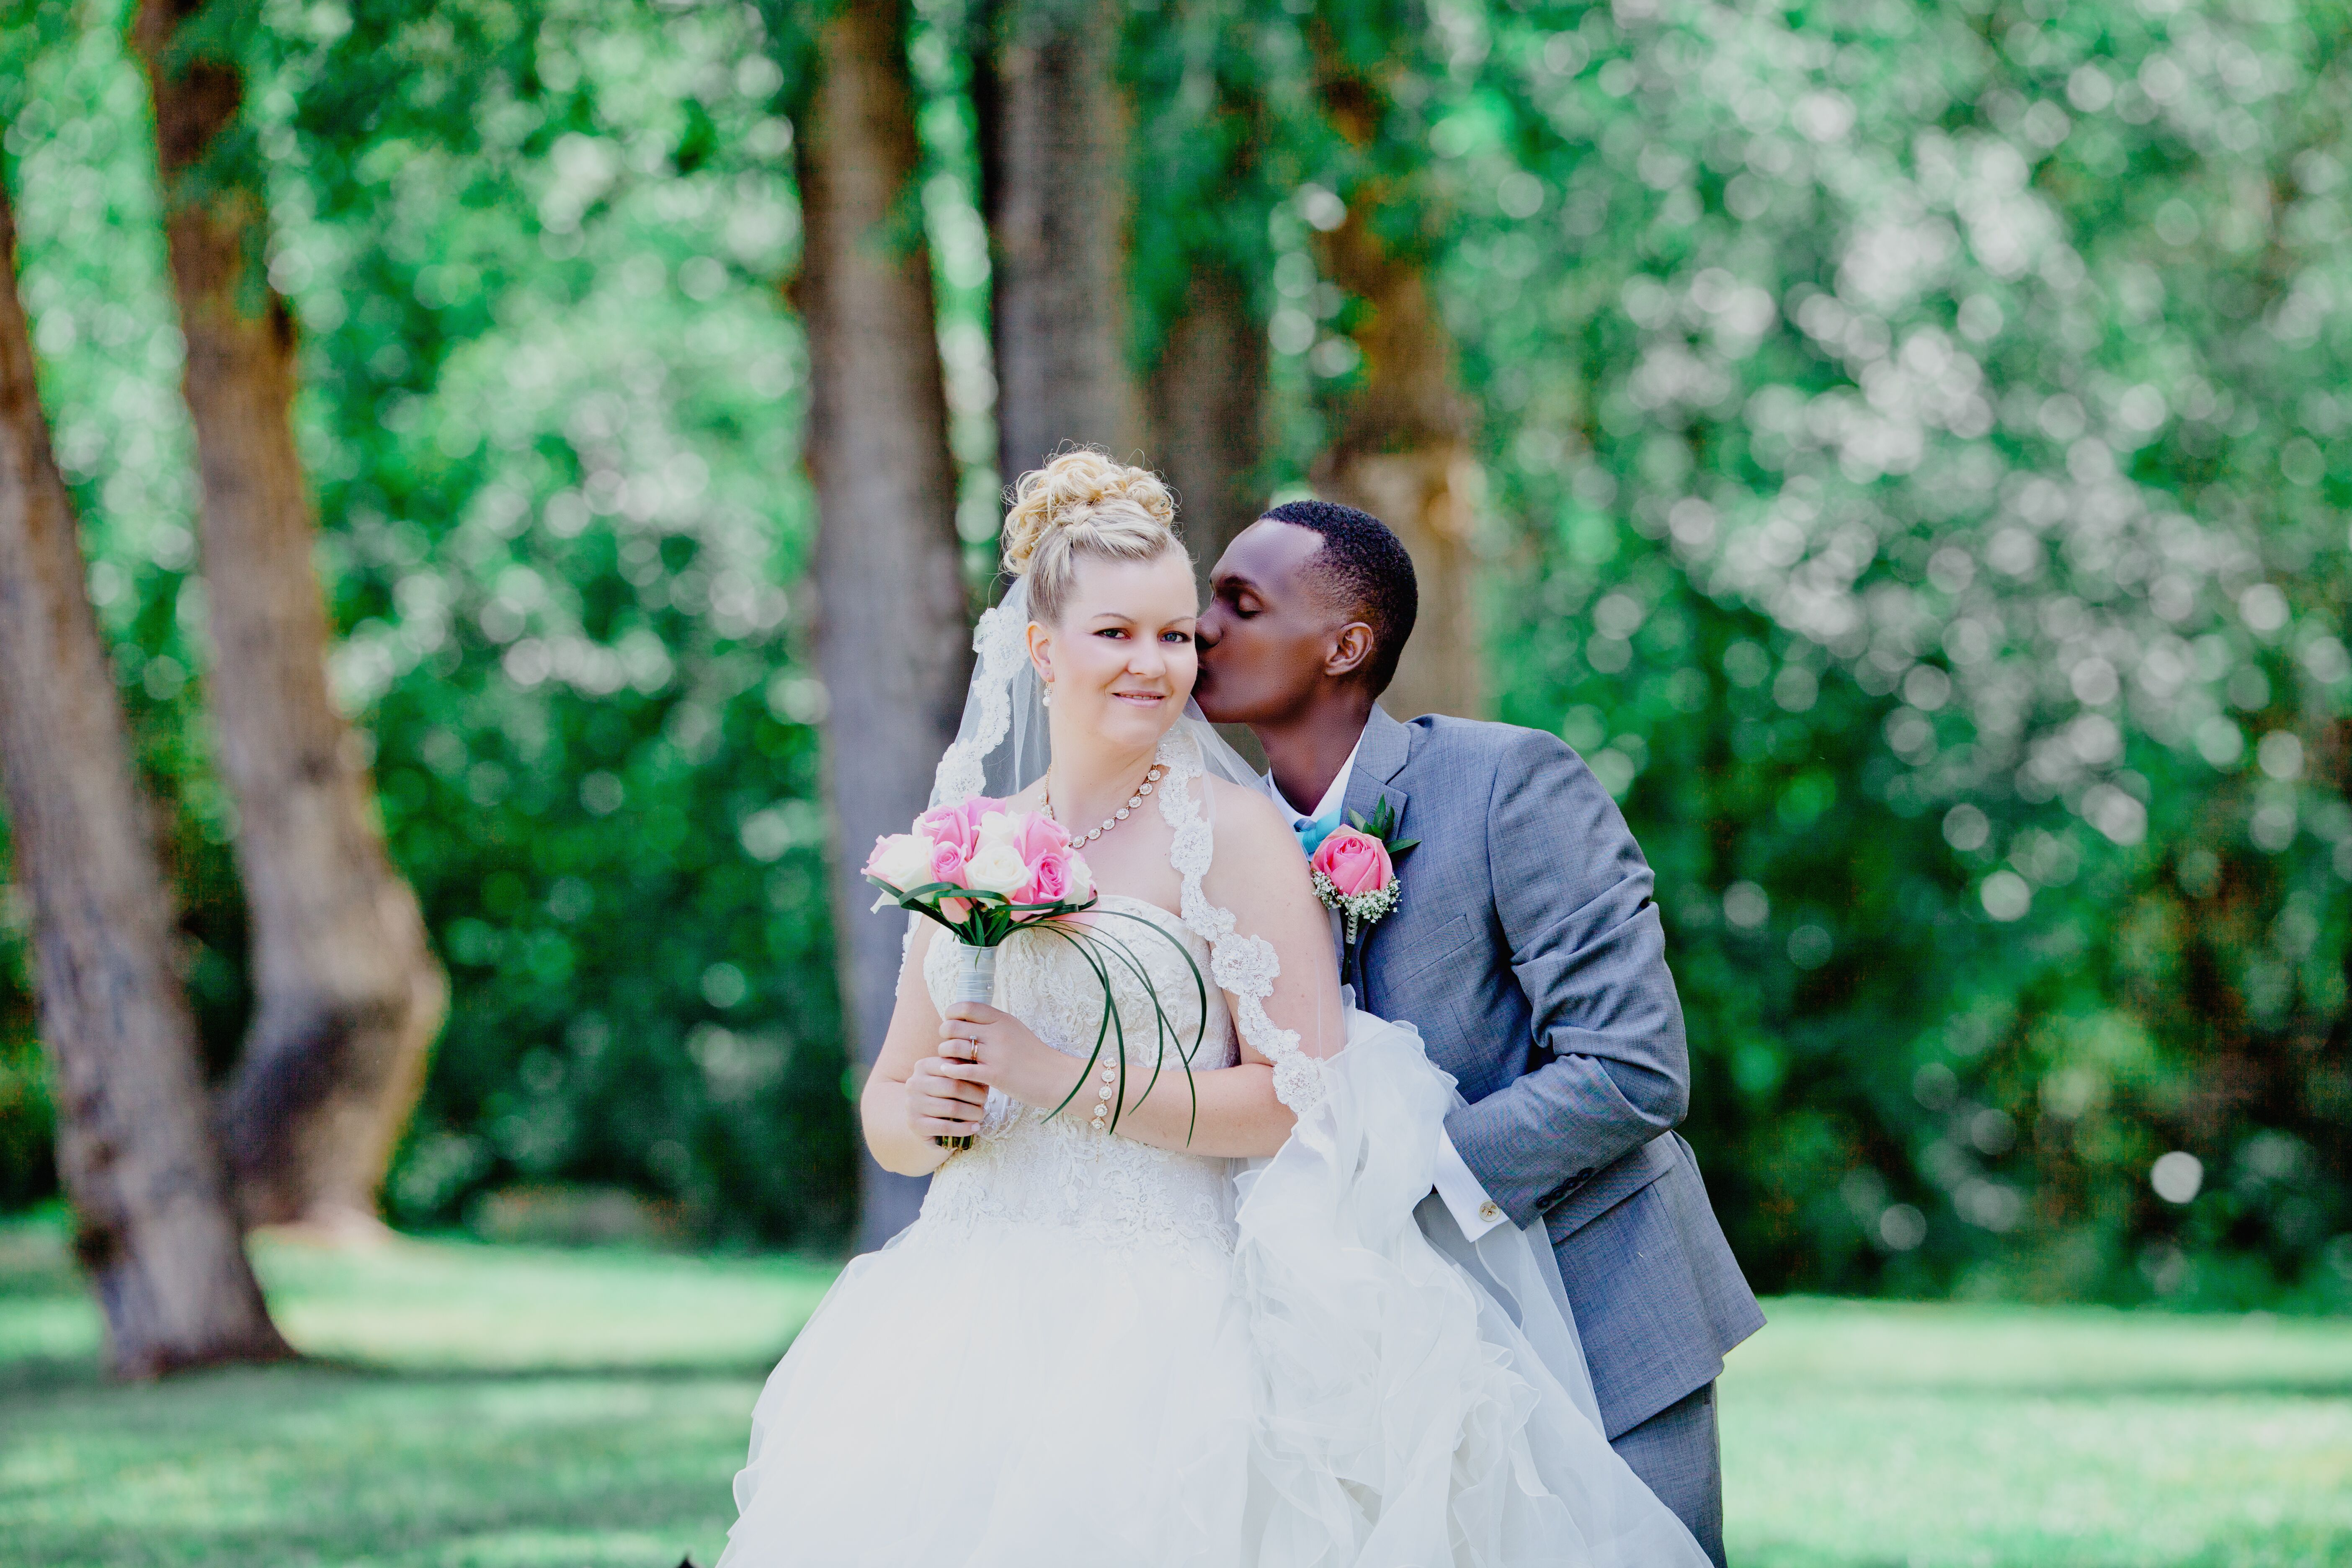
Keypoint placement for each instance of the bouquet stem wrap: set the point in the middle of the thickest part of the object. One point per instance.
(975, 981)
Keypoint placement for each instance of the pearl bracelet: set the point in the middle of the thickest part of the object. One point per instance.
(1102, 1097)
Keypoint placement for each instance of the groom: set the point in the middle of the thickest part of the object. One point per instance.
(1528, 950)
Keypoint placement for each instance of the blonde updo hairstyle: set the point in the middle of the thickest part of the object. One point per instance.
(1083, 505)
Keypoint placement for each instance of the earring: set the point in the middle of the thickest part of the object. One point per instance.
(1046, 700)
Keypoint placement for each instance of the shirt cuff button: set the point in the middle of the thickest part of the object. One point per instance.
(1490, 1211)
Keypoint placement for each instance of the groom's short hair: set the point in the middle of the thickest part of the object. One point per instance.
(1365, 565)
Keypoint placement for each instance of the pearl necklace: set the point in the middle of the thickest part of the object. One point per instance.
(1134, 803)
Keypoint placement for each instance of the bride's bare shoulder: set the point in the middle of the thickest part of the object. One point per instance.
(1248, 824)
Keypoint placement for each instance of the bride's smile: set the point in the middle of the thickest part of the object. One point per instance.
(1119, 662)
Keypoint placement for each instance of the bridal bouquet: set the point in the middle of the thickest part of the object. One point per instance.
(983, 871)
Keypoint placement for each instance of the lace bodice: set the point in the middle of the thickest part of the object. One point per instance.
(1027, 1168)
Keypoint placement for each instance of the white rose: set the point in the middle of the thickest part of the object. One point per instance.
(903, 860)
(1082, 878)
(998, 828)
(997, 869)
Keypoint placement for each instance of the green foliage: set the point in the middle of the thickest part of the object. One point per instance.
(1920, 427)
(1916, 466)
(1212, 146)
(559, 442)
(1916, 463)
(551, 413)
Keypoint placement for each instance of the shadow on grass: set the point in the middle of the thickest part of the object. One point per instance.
(2262, 1385)
(627, 1531)
(33, 1376)
(29, 1375)
(524, 1371)
(2284, 1547)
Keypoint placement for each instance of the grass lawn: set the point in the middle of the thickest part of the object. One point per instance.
(507, 1407)
(1860, 1434)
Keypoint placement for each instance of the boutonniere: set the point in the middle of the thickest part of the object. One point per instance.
(1355, 868)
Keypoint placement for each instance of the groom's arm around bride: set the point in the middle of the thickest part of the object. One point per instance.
(1535, 966)
(1528, 950)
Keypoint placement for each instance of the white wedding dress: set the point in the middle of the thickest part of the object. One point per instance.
(1091, 1352)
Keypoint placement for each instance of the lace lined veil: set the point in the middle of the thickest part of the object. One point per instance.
(1002, 746)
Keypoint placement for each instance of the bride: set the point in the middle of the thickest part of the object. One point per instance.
(1216, 1334)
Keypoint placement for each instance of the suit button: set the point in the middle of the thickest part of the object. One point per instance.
(1490, 1211)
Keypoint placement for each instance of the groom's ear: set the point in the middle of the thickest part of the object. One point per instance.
(1351, 650)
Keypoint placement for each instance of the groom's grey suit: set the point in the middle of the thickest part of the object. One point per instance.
(1528, 950)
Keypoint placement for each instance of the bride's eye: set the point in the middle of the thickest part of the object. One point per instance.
(1176, 637)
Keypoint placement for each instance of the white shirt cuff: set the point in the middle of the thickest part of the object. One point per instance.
(1465, 1198)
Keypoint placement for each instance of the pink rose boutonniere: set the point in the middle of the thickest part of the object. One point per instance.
(1355, 869)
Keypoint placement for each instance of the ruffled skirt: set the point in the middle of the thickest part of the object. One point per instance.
(1018, 1396)
(1355, 1386)
(1422, 1401)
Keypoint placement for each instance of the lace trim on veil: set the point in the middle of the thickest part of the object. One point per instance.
(999, 641)
(1244, 966)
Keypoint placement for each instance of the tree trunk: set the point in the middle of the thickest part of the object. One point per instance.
(153, 1223)
(891, 641)
(348, 996)
(1053, 123)
(1206, 393)
(1402, 452)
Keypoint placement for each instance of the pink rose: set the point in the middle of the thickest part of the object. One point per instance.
(947, 862)
(957, 825)
(948, 866)
(1039, 837)
(1050, 879)
(1356, 862)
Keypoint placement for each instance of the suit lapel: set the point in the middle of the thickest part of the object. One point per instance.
(1378, 758)
(1386, 747)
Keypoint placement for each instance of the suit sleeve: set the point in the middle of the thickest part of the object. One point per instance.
(1572, 893)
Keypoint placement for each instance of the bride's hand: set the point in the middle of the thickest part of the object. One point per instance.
(1000, 1052)
(940, 1105)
